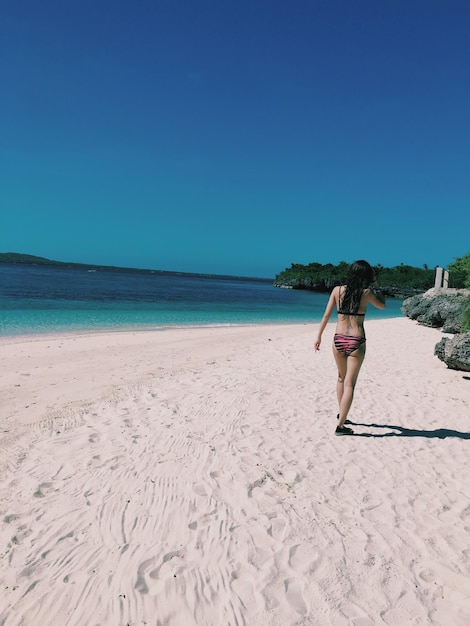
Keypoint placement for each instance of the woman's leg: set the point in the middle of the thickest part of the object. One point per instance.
(341, 363)
(348, 371)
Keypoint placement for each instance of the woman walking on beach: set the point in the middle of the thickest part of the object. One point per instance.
(349, 342)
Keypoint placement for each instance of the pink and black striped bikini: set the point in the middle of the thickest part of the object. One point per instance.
(348, 343)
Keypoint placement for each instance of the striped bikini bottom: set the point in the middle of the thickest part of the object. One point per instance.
(346, 344)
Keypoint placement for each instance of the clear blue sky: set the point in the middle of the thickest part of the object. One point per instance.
(235, 136)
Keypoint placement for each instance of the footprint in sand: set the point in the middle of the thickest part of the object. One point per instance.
(278, 528)
(427, 575)
(301, 559)
(171, 560)
(150, 579)
(141, 583)
(294, 596)
(440, 575)
(43, 490)
(22, 532)
(199, 489)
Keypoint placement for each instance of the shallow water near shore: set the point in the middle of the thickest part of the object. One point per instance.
(42, 299)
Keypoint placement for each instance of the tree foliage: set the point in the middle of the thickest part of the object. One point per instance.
(461, 266)
(401, 280)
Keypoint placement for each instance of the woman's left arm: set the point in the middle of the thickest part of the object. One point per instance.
(376, 296)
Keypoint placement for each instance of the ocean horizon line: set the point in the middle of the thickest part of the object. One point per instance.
(18, 258)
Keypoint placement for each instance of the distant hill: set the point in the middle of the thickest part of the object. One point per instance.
(16, 257)
(30, 259)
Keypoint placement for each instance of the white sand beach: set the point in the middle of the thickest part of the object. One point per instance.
(192, 477)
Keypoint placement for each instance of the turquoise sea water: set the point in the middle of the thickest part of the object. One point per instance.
(39, 299)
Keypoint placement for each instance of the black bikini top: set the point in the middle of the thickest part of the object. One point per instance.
(347, 313)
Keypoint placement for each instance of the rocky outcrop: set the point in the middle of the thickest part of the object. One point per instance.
(308, 283)
(325, 285)
(455, 351)
(444, 310)
(437, 309)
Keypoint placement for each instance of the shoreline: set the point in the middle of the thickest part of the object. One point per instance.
(174, 326)
(192, 477)
(178, 326)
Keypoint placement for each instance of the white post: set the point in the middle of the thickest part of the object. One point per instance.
(446, 279)
(438, 282)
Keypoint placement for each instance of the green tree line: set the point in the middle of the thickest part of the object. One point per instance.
(398, 280)
(461, 268)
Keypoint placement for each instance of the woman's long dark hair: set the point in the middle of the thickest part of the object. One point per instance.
(360, 276)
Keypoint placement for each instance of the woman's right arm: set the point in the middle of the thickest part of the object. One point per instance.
(326, 316)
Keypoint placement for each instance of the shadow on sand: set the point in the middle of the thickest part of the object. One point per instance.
(400, 431)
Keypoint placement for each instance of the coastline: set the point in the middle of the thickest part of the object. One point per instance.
(192, 476)
(135, 321)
